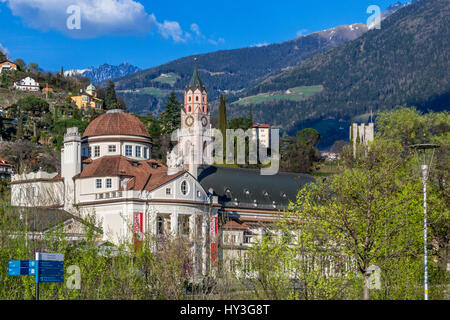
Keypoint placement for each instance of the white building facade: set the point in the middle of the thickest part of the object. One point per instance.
(27, 84)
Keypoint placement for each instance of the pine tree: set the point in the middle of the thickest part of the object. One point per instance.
(171, 118)
(110, 96)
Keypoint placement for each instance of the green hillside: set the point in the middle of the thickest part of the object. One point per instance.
(292, 94)
(407, 62)
(231, 71)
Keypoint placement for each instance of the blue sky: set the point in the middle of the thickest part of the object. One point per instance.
(149, 33)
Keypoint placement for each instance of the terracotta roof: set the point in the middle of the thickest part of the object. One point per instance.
(144, 175)
(116, 123)
(235, 225)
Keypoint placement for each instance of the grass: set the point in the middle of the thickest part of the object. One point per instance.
(167, 78)
(155, 92)
(293, 94)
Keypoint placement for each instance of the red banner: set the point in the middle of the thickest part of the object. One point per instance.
(213, 230)
(138, 230)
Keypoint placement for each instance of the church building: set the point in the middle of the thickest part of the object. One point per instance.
(107, 172)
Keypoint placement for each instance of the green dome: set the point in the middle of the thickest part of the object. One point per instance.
(91, 88)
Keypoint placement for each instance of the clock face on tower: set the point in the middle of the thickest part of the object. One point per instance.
(189, 121)
(204, 121)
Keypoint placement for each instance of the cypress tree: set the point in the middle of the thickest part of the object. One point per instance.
(223, 120)
(19, 132)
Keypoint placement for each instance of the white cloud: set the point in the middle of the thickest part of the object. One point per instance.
(98, 17)
(172, 29)
(216, 42)
(262, 44)
(301, 32)
(200, 36)
(196, 29)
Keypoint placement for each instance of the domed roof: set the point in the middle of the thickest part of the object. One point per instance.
(91, 88)
(116, 122)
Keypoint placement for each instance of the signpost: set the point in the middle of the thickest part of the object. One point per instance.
(47, 267)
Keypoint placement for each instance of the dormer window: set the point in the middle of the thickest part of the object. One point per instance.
(196, 98)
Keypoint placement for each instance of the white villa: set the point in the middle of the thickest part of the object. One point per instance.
(27, 84)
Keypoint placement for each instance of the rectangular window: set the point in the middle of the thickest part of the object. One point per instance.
(98, 183)
(108, 183)
(168, 191)
(89, 152)
(128, 151)
(138, 152)
(112, 148)
(97, 151)
(145, 153)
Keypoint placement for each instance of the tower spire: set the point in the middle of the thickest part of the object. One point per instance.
(195, 80)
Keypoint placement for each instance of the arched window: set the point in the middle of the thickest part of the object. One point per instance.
(189, 109)
(196, 98)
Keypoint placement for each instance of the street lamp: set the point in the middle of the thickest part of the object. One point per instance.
(424, 154)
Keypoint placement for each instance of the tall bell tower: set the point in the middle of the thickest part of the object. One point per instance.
(195, 138)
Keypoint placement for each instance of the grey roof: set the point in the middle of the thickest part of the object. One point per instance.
(195, 83)
(41, 219)
(248, 189)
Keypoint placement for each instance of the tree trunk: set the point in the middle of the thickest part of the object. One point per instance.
(366, 286)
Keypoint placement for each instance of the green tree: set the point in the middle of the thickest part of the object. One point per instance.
(21, 64)
(110, 96)
(223, 121)
(170, 119)
(35, 108)
(33, 67)
(369, 213)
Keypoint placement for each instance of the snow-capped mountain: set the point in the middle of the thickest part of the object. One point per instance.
(390, 10)
(103, 72)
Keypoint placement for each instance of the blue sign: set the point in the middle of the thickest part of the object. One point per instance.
(49, 267)
(51, 272)
(21, 271)
(51, 278)
(22, 264)
(51, 264)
